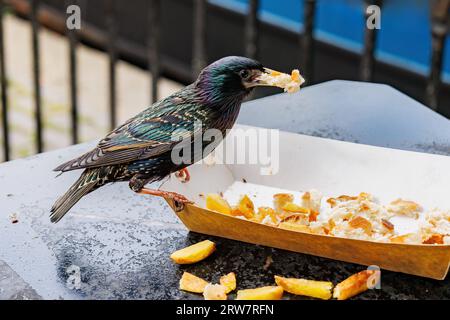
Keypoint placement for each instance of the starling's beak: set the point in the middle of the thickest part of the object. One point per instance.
(269, 77)
(261, 77)
(272, 72)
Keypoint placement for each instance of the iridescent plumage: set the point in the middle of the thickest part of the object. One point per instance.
(139, 151)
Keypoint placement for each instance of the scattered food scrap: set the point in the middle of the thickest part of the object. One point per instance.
(13, 218)
(215, 292)
(74, 279)
(346, 289)
(191, 283)
(229, 282)
(268, 263)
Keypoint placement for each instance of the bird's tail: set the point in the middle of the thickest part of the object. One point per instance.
(87, 182)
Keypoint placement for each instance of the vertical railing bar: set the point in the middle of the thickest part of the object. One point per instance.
(439, 28)
(4, 88)
(153, 46)
(370, 38)
(199, 49)
(307, 40)
(251, 30)
(36, 73)
(73, 41)
(112, 53)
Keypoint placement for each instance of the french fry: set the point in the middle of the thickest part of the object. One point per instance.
(313, 216)
(360, 222)
(434, 239)
(405, 238)
(263, 212)
(244, 208)
(332, 202)
(344, 198)
(289, 82)
(191, 283)
(295, 208)
(398, 239)
(229, 282)
(363, 207)
(331, 225)
(364, 196)
(215, 292)
(299, 218)
(347, 198)
(312, 200)
(275, 73)
(194, 253)
(280, 199)
(216, 203)
(294, 227)
(304, 287)
(354, 284)
(405, 207)
(295, 213)
(357, 217)
(263, 293)
(295, 75)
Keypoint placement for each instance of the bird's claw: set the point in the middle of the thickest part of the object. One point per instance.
(183, 175)
(178, 200)
(178, 197)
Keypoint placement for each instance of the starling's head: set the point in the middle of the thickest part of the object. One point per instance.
(230, 77)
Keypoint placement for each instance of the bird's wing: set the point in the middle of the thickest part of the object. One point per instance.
(141, 137)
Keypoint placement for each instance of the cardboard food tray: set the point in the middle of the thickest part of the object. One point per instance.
(335, 168)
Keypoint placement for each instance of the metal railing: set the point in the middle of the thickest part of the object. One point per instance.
(440, 22)
(4, 88)
(199, 60)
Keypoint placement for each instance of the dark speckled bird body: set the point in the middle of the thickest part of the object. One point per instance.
(139, 151)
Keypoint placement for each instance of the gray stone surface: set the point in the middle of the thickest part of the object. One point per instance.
(13, 287)
(115, 244)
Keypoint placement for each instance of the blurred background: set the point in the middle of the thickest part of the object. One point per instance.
(61, 86)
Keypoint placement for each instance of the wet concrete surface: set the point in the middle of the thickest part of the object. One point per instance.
(13, 287)
(115, 244)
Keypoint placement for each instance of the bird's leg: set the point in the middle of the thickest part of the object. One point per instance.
(166, 194)
(137, 183)
(183, 175)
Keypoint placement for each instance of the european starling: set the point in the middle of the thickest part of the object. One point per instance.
(139, 151)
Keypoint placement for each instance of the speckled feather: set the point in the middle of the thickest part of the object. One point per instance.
(139, 151)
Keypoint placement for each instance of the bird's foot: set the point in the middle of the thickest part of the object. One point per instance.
(166, 194)
(183, 175)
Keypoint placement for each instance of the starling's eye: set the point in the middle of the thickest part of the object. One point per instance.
(245, 74)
